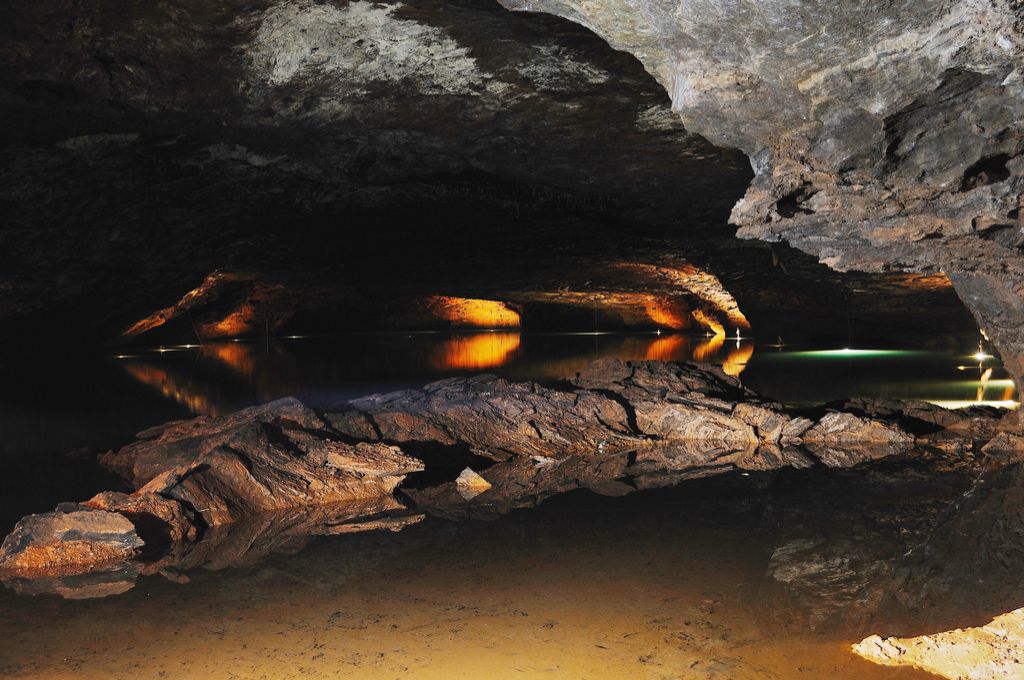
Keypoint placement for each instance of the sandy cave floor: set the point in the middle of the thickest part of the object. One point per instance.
(608, 588)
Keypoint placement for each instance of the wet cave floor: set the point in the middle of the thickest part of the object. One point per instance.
(661, 584)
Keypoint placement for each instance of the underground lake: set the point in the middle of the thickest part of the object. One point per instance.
(667, 339)
(747, 573)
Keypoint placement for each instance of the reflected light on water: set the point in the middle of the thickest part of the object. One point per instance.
(475, 351)
(737, 359)
(221, 377)
(847, 352)
(197, 400)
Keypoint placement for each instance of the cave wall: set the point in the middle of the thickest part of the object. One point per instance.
(344, 152)
(885, 136)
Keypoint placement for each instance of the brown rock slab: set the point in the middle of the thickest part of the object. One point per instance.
(254, 474)
(495, 418)
(158, 519)
(70, 540)
(166, 446)
(1005, 447)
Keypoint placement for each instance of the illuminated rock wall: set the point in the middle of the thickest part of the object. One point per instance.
(885, 136)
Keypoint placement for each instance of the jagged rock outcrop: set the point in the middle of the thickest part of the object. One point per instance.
(884, 136)
(271, 478)
(201, 154)
(615, 406)
(158, 520)
(260, 459)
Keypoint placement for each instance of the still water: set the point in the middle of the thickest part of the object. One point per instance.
(659, 584)
(222, 377)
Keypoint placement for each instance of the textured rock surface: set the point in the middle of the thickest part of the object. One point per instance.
(225, 160)
(167, 446)
(266, 458)
(158, 520)
(678, 416)
(991, 652)
(71, 540)
(271, 478)
(883, 135)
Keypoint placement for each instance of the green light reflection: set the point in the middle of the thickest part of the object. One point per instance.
(856, 353)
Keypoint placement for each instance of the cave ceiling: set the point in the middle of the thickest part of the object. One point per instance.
(352, 157)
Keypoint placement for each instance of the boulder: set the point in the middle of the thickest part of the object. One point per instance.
(73, 539)
(260, 459)
(990, 652)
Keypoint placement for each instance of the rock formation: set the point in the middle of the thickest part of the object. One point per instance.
(226, 163)
(269, 478)
(988, 652)
(265, 458)
(884, 136)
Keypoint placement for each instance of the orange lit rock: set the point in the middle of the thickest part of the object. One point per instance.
(667, 312)
(991, 652)
(468, 313)
(71, 540)
(157, 519)
(224, 305)
(719, 305)
(709, 322)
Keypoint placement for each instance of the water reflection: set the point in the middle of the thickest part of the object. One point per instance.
(219, 378)
(483, 350)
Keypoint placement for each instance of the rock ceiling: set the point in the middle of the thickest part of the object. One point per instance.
(347, 152)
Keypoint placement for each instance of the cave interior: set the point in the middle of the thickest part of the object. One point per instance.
(211, 205)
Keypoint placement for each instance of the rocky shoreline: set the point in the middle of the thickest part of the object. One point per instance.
(226, 491)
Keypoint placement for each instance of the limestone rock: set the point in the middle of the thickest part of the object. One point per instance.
(495, 418)
(157, 519)
(73, 539)
(884, 136)
(253, 474)
(693, 413)
(1006, 447)
(991, 652)
(166, 446)
(265, 458)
